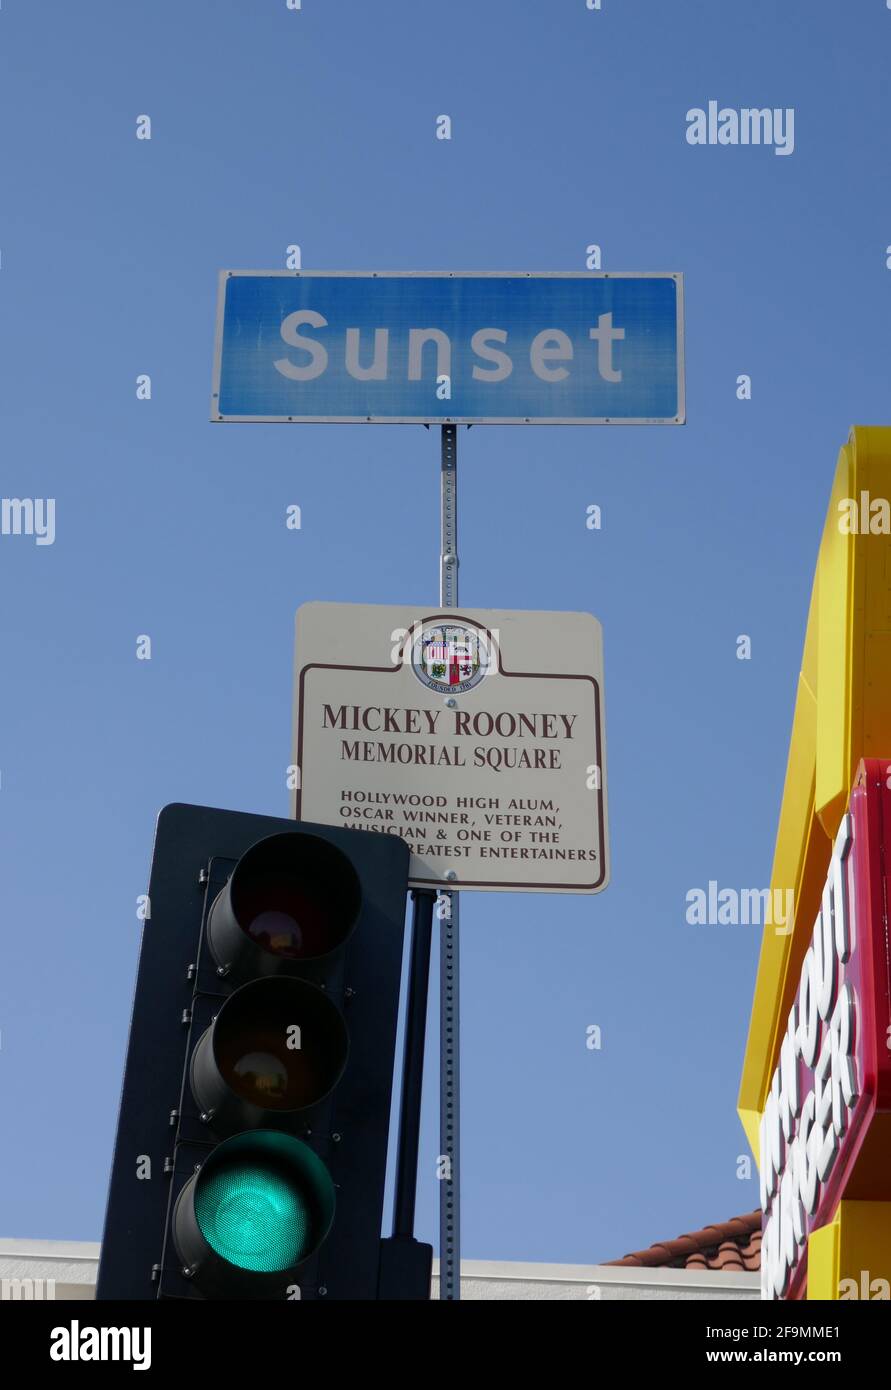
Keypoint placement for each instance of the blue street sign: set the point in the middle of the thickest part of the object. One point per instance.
(449, 348)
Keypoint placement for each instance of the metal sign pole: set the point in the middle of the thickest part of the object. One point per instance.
(449, 1044)
(413, 1066)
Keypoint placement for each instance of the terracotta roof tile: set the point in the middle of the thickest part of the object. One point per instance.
(728, 1245)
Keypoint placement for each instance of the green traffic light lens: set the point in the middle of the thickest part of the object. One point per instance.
(264, 1202)
(254, 1218)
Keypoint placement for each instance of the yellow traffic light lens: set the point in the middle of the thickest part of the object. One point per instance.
(277, 1044)
(261, 1077)
(260, 1067)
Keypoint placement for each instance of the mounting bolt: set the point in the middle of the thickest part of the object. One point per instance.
(174, 1116)
(451, 875)
(207, 1116)
(156, 1270)
(223, 971)
(203, 877)
(322, 1291)
(188, 1272)
(451, 702)
(349, 992)
(197, 1167)
(187, 1016)
(336, 1138)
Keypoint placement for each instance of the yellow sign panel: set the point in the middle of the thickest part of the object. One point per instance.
(842, 714)
(849, 1258)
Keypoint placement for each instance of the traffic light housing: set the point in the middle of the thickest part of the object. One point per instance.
(252, 1141)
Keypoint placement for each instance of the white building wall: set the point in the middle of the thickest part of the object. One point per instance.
(66, 1269)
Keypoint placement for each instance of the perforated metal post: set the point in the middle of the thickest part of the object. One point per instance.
(450, 1093)
(448, 561)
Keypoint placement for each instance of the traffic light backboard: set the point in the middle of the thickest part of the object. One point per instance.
(252, 1142)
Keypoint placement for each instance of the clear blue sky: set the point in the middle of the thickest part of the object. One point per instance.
(317, 127)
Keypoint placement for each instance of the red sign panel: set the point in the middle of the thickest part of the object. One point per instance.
(827, 1124)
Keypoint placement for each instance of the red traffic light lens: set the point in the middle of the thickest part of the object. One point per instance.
(290, 898)
(285, 917)
(296, 896)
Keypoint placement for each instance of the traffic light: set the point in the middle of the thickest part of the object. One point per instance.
(253, 1133)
